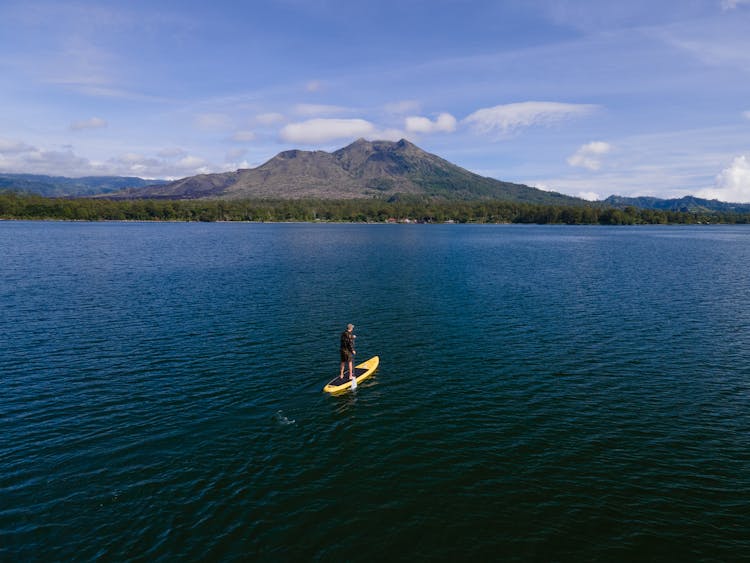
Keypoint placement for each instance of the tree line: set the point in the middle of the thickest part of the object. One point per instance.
(24, 206)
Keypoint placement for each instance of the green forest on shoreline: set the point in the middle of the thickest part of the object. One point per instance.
(31, 207)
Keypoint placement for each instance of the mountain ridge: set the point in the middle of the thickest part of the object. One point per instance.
(689, 204)
(63, 186)
(362, 169)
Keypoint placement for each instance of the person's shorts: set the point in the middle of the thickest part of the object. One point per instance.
(346, 356)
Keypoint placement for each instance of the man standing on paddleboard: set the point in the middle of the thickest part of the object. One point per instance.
(347, 350)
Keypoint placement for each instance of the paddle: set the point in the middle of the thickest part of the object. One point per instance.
(354, 375)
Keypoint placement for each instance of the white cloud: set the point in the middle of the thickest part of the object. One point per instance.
(444, 122)
(19, 157)
(547, 187)
(505, 119)
(91, 123)
(131, 158)
(732, 183)
(388, 135)
(589, 155)
(52, 162)
(13, 147)
(324, 130)
(243, 136)
(191, 162)
(134, 164)
(589, 196)
(270, 118)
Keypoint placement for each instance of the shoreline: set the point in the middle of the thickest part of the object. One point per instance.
(18, 207)
(320, 222)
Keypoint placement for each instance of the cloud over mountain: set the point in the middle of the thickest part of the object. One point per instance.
(363, 169)
(444, 123)
(732, 183)
(589, 155)
(325, 130)
(508, 118)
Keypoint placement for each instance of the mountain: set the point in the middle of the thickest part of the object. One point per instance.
(60, 186)
(363, 169)
(689, 204)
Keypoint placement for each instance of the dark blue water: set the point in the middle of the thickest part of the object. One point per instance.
(545, 393)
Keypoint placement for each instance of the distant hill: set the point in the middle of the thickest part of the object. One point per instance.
(363, 169)
(689, 204)
(60, 186)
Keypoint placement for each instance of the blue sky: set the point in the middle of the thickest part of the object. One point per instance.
(589, 98)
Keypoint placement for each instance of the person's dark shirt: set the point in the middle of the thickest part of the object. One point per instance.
(347, 341)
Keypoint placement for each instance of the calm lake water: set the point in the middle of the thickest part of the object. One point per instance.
(545, 393)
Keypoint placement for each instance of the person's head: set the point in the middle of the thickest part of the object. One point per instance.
(350, 327)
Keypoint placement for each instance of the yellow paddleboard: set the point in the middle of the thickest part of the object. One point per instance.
(361, 371)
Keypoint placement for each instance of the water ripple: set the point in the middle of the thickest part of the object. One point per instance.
(544, 393)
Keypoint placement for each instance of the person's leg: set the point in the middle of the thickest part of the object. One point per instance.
(351, 369)
(341, 375)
